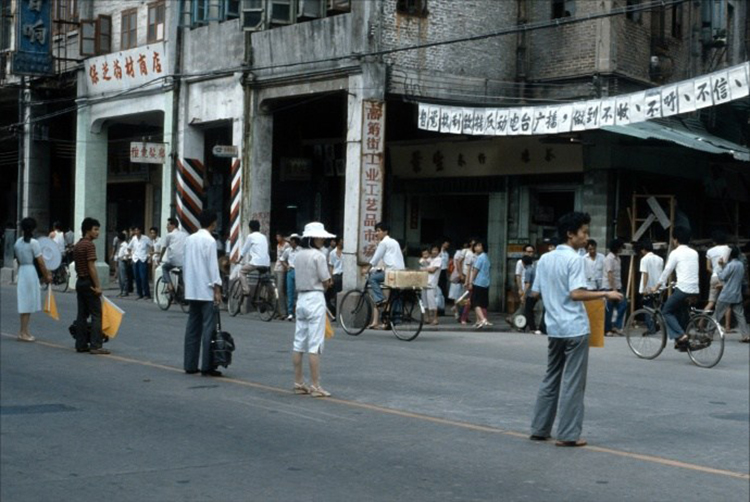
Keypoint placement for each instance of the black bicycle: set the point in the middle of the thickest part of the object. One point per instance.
(646, 333)
(263, 297)
(165, 298)
(403, 312)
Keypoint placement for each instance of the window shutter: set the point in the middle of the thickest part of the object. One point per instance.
(104, 35)
(282, 11)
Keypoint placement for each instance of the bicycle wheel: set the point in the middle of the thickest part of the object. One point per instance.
(407, 315)
(355, 312)
(163, 298)
(234, 302)
(705, 341)
(646, 333)
(266, 302)
(60, 279)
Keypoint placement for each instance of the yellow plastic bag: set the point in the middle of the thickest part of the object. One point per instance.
(111, 317)
(329, 328)
(595, 310)
(50, 305)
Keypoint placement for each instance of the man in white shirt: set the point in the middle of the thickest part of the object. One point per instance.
(684, 261)
(58, 236)
(140, 247)
(203, 291)
(612, 281)
(720, 251)
(255, 254)
(650, 268)
(174, 245)
(593, 264)
(389, 253)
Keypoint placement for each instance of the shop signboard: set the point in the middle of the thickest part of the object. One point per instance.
(127, 70)
(228, 151)
(371, 194)
(33, 55)
(148, 153)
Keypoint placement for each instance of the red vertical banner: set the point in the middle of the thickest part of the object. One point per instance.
(372, 179)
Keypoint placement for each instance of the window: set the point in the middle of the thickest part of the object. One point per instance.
(412, 7)
(677, 21)
(630, 14)
(6, 20)
(156, 22)
(562, 8)
(340, 5)
(311, 9)
(64, 15)
(282, 11)
(253, 14)
(200, 12)
(230, 9)
(96, 36)
(129, 33)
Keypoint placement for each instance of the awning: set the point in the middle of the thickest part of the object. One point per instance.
(682, 133)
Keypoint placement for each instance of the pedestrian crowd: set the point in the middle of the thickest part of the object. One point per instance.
(308, 270)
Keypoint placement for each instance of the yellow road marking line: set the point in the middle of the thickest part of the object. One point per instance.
(427, 418)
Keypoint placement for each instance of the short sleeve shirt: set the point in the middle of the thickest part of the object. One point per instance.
(482, 265)
(715, 254)
(27, 251)
(558, 273)
(83, 253)
(310, 270)
(652, 265)
(612, 264)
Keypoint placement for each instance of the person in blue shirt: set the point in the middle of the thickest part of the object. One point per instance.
(731, 276)
(561, 282)
(480, 284)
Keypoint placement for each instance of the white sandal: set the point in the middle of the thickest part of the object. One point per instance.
(301, 388)
(319, 392)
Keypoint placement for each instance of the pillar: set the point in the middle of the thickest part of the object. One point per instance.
(595, 198)
(35, 185)
(167, 208)
(91, 186)
(497, 221)
(257, 171)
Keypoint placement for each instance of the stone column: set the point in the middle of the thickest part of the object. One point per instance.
(35, 185)
(596, 203)
(496, 243)
(257, 171)
(167, 169)
(91, 187)
(353, 183)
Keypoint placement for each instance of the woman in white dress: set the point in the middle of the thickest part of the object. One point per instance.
(29, 295)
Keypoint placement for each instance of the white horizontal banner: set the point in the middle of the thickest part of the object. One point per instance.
(681, 97)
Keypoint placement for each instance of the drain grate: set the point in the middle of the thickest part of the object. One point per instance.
(35, 409)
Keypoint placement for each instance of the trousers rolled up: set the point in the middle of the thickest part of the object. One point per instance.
(200, 327)
(375, 280)
(673, 312)
(739, 313)
(563, 388)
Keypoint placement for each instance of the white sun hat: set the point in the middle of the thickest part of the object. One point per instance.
(316, 230)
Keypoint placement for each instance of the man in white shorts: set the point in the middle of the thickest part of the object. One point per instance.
(312, 278)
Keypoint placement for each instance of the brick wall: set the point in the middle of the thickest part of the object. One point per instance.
(493, 58)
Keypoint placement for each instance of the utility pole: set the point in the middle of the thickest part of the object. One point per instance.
(21, 155)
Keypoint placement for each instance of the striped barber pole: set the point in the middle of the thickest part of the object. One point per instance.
(234, 215)
(189, 193)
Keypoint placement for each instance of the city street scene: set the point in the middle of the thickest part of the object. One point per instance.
(375, 250)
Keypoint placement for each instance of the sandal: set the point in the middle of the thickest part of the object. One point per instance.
(319, 392)
(301, 388)
(745, 339)
(26, 338)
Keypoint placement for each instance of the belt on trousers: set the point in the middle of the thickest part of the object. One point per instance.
(311, 291)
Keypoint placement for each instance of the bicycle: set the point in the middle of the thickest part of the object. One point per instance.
(165, 298)
(403, 312)
(646, 333)
(263, 297)
(60, 278)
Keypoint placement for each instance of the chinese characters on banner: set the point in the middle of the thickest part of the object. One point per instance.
(687, 96)
(148, 153)
(371, 196)
(125, 70)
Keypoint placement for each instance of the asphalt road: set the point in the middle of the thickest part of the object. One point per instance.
(442, 418)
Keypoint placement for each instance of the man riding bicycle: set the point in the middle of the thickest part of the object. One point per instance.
(389, 252)
(255, 252)
(175, 243)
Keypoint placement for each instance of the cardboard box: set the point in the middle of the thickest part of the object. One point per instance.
(406, 279)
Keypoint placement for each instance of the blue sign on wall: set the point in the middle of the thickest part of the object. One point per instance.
(33, 54)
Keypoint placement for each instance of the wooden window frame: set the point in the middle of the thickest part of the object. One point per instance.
(100, 48)
(132, 40)
(82, 38)
(154, 7)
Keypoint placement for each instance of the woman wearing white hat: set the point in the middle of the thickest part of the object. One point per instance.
(312, 278)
